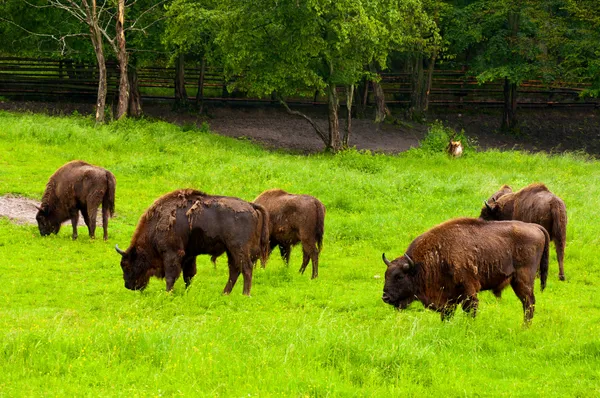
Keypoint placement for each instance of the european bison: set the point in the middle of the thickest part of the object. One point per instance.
(185, 223)
(451, 262)
(536, 204)
(77, 186)
(294, 219)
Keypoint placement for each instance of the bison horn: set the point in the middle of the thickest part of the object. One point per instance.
(487, 205)
(410, 261)
(121, 252)
(385, 260)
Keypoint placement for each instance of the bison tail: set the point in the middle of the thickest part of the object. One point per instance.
(109, 197)
(559, 223)
(545, 257)
(263, 224)
(320, 225)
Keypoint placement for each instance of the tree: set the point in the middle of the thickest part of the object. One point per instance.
(581, 52)
(507, 40)
(295, 47)
(96, 16)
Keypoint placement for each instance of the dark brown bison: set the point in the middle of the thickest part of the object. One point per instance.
(536, 204)
(185, 223)
(451, 262)
(77, 186)
(295, 219)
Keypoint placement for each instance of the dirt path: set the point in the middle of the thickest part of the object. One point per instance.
(23, 210)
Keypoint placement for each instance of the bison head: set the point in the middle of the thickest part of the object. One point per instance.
(136, 268)
(490, 210)
(399, 289)
(46, 222)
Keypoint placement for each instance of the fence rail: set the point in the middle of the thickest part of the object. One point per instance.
(69, 80)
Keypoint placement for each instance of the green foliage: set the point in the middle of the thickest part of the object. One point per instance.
(68, 326)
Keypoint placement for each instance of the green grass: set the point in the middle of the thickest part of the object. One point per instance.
(68, 327)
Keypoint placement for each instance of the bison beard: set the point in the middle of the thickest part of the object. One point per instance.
(534, 204)
(77, 186)
(449, 264)
(295, 219)
(185, 223)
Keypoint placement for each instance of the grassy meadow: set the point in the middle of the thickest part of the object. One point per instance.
(68, 326)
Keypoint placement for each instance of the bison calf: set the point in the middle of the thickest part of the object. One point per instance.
(77, 186)
(295, 219)
(449, 264)
(185, 223)
(535, 204)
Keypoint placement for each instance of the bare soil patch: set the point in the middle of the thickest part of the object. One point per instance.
(546, 129)
(23, 210)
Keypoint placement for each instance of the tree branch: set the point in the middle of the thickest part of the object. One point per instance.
(318, 130)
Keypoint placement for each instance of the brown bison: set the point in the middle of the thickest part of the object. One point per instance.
(536, 204)
(77, 186)
(451, 262)
(185, 223)
(295, 219)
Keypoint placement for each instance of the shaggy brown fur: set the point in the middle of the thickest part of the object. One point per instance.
(536, 204)
(295, 219)
(451, 262)
(77, 186)
(454, 148)
(185, 223)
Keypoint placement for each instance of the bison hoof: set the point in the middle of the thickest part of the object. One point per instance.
(561, 277)
(74, 237)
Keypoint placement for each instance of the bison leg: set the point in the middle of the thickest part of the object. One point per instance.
(310, 252)
(247, 273)
(524, 291)
(189, 270)
(74, 222)
(470, 305)
(560, 255)
(448, 312)
(285, 251)
(172, 263)
(105, 215)
(234, 273)
(92, 213)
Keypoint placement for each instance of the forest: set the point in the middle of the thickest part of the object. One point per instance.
(336, 49)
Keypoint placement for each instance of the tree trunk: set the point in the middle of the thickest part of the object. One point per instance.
(122, 56)
(381, 110)
(135, 99)
(429, 81)
(509, 115)
(180, 93)
(200, 93)
(318, 130)
(417, 88)
(335, 144)
(96, 37)
(349, 98)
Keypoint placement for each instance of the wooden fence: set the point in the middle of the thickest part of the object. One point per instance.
(69, 80)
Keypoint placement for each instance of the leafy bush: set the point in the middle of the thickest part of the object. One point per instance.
(439, 136)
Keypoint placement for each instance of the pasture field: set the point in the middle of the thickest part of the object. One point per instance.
(68, 326)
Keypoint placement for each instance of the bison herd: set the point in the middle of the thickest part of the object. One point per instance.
(444, 267)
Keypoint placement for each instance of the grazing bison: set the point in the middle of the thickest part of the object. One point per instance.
(451, 262)
(77, 186)
(536, 204)
(294, 219)
(185, 223)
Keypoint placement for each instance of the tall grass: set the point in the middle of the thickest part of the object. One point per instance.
(69, 327)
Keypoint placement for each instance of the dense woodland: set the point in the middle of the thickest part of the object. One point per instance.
(284, 48)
